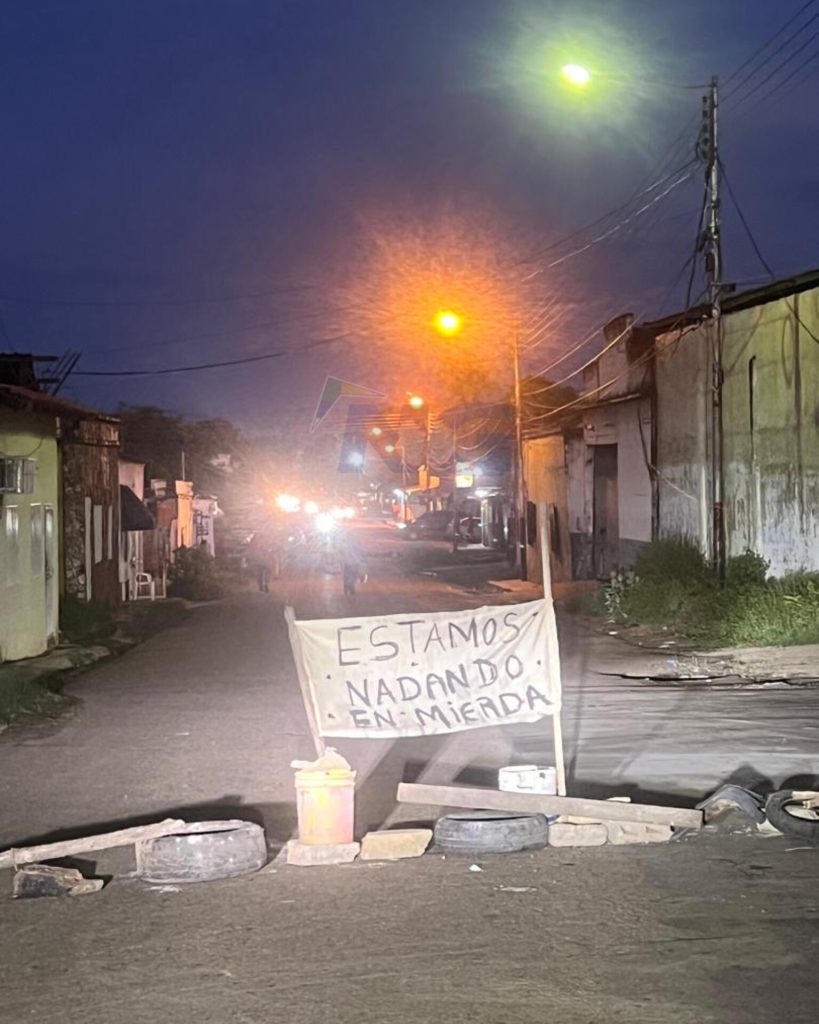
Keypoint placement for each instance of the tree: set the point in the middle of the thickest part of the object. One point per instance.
(173, 446)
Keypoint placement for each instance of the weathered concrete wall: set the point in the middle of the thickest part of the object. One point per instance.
(627, 425)
(683, 435)
(770, 427)
(28, 583)
(544, 462)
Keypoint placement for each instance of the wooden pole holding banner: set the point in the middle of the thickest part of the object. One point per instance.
(306, 695)
(552, 650)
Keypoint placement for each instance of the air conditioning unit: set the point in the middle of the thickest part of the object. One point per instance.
(17, 476)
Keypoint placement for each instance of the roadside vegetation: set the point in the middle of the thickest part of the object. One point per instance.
(673, 587)
(196, 576)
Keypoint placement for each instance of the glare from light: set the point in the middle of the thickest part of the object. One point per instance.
(416, 402)
(376, 431)
(325, 522)
(447, 322)
(356, 459)
(311, 507)
(347, 512)
(389, 448)
(398, 492)
(288, 503)
(481, 492)
(576, 74)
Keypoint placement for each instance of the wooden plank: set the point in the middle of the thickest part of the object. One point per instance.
(536, 803)
(104, 841)
(552, 653)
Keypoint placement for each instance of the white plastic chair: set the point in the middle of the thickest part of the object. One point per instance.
(145, 587)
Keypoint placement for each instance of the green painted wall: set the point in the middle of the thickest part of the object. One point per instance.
(770, 428)
(24, 627)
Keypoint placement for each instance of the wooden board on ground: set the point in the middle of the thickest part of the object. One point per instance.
(105, 841)
(536, 803)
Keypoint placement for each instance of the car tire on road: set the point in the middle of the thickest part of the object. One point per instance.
(476, 832)
(805, 825)
(203, 851)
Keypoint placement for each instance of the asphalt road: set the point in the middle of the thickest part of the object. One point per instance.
(203, 721)
(206, 717)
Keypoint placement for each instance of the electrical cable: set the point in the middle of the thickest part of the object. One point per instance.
(758, 251)
(747, 78)
(617, 227)
(772, 39)
(210, 366)
(776, 70)
(130, 303)
(772, 92)
(537, 254)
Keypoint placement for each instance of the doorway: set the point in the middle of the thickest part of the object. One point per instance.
(51, 582)
(606, 527)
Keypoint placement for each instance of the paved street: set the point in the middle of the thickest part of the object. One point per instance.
(203, 720)
(208, 714)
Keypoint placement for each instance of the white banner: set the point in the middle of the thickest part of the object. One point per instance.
(421, 674)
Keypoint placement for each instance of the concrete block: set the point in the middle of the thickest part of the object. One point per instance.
(395, 844)
(623, 833)
(577, 835)
(305, 855)
(34, 880)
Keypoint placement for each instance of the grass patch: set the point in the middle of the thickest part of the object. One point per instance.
(195, 576)
(672, 587)
(85, 622)
(22, 691)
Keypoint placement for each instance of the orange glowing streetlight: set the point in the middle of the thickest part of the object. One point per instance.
(416, 402)
(447, 322)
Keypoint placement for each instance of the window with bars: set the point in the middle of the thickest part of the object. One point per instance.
(17, 476)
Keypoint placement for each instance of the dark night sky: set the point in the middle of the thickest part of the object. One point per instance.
(160, 154)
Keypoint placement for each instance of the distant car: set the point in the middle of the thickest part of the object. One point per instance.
(438, 526)
(430, 526)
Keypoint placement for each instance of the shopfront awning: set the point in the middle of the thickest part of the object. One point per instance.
(134, 516)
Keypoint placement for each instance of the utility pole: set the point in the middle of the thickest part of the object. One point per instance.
(520, 489)
(713, 269)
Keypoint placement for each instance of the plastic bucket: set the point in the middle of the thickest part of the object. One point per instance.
(325, 805)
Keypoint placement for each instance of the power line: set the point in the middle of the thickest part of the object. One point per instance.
(747, 78)
(128, 303)
(772, 39)
(617, 227)
(538, 253)
(758, 251)
(209, 366)
(777, 69)
(808, 60)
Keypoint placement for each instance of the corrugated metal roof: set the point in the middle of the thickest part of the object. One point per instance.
(19, 397)
(779, 289)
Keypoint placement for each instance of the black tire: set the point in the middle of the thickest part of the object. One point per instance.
(476, 832)
(204, 851)
(776, 810)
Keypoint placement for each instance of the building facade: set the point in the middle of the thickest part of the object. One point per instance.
(770, 425)
(29, 529)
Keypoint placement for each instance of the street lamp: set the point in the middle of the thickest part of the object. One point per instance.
(576, 75)
(376, 432)
(447, 322)
(389, 449)
(416, 402)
